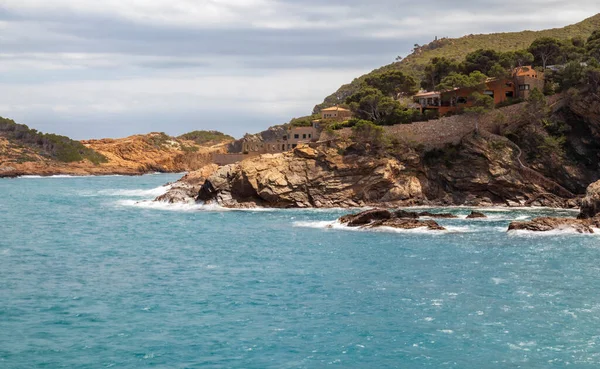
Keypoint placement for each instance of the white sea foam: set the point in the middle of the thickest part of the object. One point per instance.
(499, 281)
(338, 226)
(555, 232)
(153, 192)
(181, 207)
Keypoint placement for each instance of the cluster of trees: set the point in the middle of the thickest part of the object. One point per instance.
(58, 147)
(379, 98)
(204, 137)
(578, 60)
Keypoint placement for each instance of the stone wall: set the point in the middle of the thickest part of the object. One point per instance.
(450, 130)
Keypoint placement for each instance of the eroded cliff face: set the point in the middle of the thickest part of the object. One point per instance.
(307, 177)
(154, 152)
(483, 170)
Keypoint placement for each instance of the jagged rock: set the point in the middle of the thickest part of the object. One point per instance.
(366, 217)
(207, 192)
(406, 223)
(476, 215)
(384, 218)
(547, 224)
(481, 173)
(590, 205)
(406, 214)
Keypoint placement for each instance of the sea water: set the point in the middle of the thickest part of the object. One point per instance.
(94, 275)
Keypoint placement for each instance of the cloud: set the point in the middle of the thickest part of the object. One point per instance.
(93, 68)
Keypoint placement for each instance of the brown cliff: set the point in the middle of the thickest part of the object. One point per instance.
(139, 154)
(481, 170)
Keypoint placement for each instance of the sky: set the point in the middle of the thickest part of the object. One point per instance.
(113, 68)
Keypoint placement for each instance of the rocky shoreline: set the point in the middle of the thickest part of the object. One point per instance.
(326, 177)
(586, 222)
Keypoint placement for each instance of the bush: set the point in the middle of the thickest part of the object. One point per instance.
(368, 134)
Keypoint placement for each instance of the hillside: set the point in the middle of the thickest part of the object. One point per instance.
(25, 151)
(457, 48)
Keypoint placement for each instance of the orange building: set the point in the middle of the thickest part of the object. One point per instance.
(523, 81)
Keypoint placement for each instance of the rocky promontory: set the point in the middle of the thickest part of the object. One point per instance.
(483, 173)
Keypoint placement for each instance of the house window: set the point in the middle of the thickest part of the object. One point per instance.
(285, 138)
(309, 135)
(294, 146)
(462, 100)
(288, 146)
(304, 136)
(296, 136)
(523, 87)
(488, 92)
(283, 147)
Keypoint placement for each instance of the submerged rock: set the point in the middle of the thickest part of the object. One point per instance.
(588, 219)
(476, 215)
(383, 218)
(440, 215)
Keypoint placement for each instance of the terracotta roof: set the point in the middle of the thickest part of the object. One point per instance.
(335, 108)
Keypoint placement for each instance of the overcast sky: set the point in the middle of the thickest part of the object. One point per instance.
(111, 68)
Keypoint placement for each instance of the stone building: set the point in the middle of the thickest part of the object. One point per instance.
(336, 113)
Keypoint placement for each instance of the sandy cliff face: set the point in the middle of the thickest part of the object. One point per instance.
(154, 152)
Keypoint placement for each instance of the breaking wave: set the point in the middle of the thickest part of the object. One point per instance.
(339, 226)
(165, 206)
(153, 192)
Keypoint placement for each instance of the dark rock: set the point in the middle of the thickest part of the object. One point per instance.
(382, 218)
(406, 223)
(434, 215)
(476, 215)
(405, 214)
(365, 217)
(590, 205)
(207, 192)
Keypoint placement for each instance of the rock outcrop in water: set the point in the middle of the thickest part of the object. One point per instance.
(547, 224)
(590, 205)
(383, 218)
(476, 215)
(586, 222)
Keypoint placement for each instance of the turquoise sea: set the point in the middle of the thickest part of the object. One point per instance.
(90, 277)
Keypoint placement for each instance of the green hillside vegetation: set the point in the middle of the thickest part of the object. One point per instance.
(381, 98)
(206, 137)
(53, 146)
(456, 50)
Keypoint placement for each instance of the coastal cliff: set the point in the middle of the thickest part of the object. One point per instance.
(483, 172)
(506, 164)
(139, 154)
